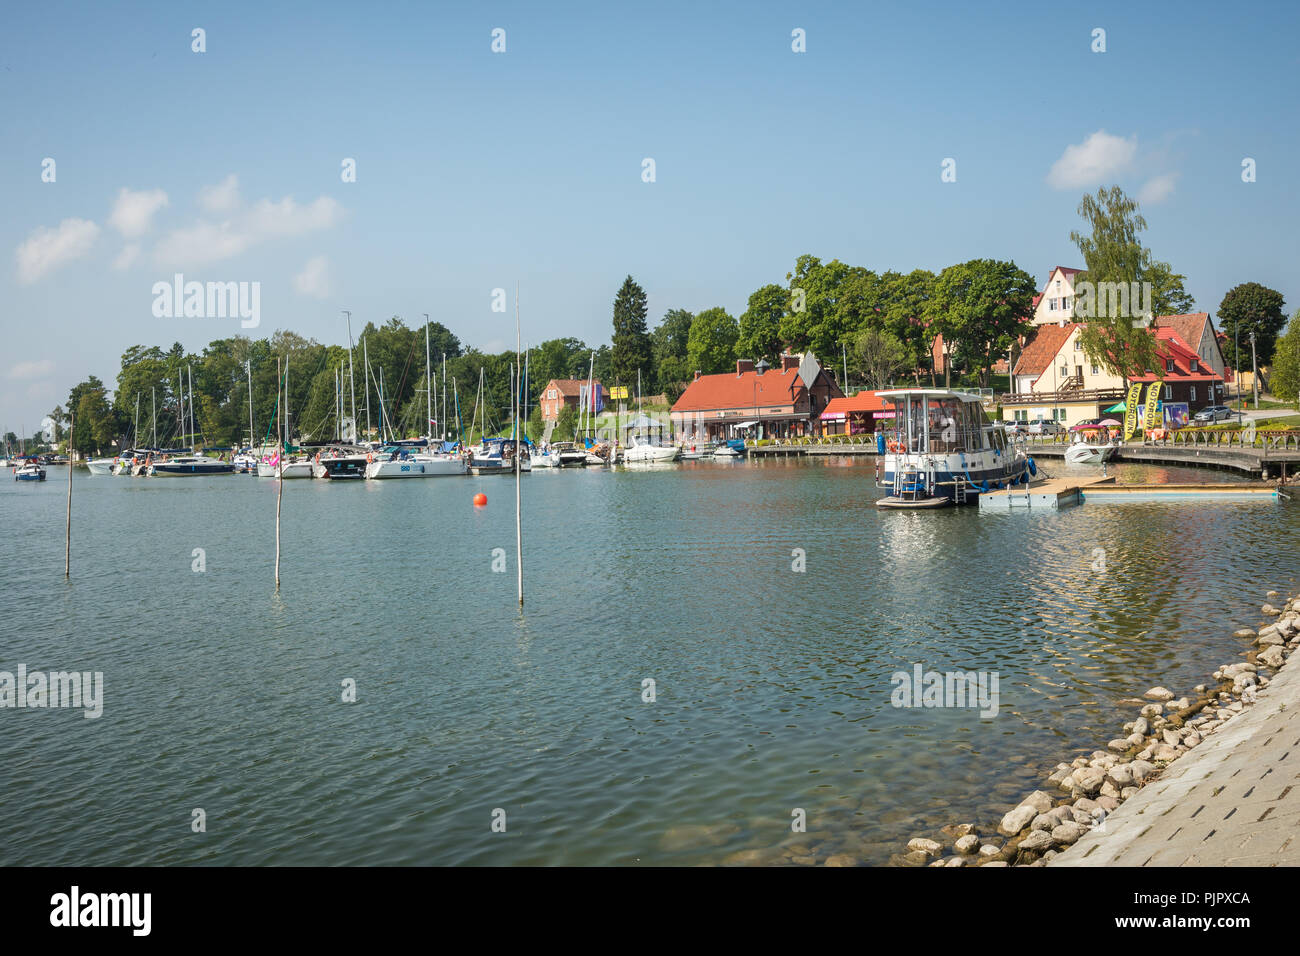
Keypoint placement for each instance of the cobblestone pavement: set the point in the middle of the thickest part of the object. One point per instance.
(1232, 801)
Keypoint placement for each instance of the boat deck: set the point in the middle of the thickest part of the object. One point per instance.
(1056, 493)
(1051, 493)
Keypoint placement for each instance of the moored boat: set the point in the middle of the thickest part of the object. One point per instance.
(942, 445)
(29, 470)
(341, 462)
(189, 466)
(649, 452)
(496, 456)
(414, 460)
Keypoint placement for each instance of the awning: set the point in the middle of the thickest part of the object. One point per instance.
(744, 424)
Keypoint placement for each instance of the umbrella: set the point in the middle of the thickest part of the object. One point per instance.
(1116, 408)
(1110, 423)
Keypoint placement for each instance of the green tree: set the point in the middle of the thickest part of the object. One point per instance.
(814, 320)
(1251, 307)
(670, 344)
(711, 346)
(1285, 381)
(981, 307)
(566, 423)
(906, 309)
(631, 344)
(877, 356)
(760, 324)
(1115, 332)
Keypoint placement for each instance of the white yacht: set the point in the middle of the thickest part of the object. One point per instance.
(646, 451)
(414, 460)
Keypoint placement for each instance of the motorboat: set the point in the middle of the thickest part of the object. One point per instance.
(187, 466)
(547, 459)
(1088, 448)
(245, 464)
(101, 466)
(942, 445)
(29, 470)
(341, 462)
(496, 456)
(734, 448)
(414, 460)
(570, 455)
(283, 466)
(643, 452)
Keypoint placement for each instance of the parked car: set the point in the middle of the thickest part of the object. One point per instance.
(1045, 426)
(1214, 413)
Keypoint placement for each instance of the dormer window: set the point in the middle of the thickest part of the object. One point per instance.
(1169, 365)
(1194, 365)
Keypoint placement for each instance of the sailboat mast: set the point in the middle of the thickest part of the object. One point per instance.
(352, 387)
(153, 414)
(365, 358)
(135, 428)
(383, 435)
(252, 435)
(444, 396)
(189, 373)
(428, 385)
(519, 525)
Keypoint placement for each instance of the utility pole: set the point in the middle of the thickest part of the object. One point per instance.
(1254, 371)
(1236, 366)
(844, 353)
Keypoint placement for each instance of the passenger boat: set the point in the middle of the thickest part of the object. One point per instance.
(942, 446)
(29, 470)
(1088, 448)
(341, 462)
(649, 452)
(414, 460)
(496, 456)
(188, 466)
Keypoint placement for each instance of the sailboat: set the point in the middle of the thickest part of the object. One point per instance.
(416, 459)
(648, 451)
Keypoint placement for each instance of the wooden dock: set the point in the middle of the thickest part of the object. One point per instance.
(1056, 493)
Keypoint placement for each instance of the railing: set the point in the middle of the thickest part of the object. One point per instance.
(1077, 395)
(1279, 440)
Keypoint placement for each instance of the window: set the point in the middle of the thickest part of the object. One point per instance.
(1169, 393)
(1060, 414)
(1191, 394)
(1078, 346)
(550, 393)
(1194, 365)
(1065, 371)
(1169, 365)
(1096, 369)
(1058, 285)
(1067, 302)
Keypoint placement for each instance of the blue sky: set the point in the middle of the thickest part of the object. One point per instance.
(476, 170)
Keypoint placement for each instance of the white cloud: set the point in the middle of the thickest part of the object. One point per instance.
(221, 198)
(1092, 162)
(1157, 189)
(29, 370)
(241, 226)
(314, 279)
(133, 211)
(47, 249)
(126, 258)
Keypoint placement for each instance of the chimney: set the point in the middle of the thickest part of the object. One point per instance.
(697, 375)
(744, 365)
(789, 362)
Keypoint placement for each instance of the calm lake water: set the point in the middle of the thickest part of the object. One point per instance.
(773, 687)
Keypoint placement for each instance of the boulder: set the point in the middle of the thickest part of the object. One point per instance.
(926, 846)
(1164, 752)
(1017, 820)
(1142, 726)
(1159, 693)
(967, 845)
(1044, 821)
(1142, 771)
(1039, 801)
(1067, 833)
(988, 851)
(1153, 710)
(1272, 657)
(1121, 776)
(1037, 841)
(1170, 737)
(1244, 632)
(1269, 610)
(843, 859)
(1119, 745)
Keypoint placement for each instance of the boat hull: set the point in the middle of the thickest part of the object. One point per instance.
(432, 467)
(101, 466)
(293, 469)
(1089, 454)
(166, 470)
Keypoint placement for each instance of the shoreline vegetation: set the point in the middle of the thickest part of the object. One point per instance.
(1080, 793)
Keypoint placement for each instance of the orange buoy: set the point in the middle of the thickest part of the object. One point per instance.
(480, 500)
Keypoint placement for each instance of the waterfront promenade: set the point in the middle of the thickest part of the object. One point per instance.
(1232, 801)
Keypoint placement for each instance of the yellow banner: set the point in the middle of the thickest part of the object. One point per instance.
(1152, 417)
(1131, 410)
(618, 391)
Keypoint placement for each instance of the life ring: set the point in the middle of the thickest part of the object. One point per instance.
(370, 457)
(893, 445)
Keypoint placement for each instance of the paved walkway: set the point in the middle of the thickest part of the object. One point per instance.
(1232, 801)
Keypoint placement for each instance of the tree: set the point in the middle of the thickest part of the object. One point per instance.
(566, 423)
(1251, 307)
(711, 347)
(981, 307)
(877, 357)
(669, 342)
(1118, 270)
(631, 344)
(760, 324)
(1285, 381)
(906, 308)
(813, 319)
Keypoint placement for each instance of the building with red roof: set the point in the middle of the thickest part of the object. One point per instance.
(569, 391)
(768, 402)
(856, 415)
(1183, 373)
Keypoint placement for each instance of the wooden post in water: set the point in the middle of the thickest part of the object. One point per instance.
(67, 541)
(519, 527)
(279, 471)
